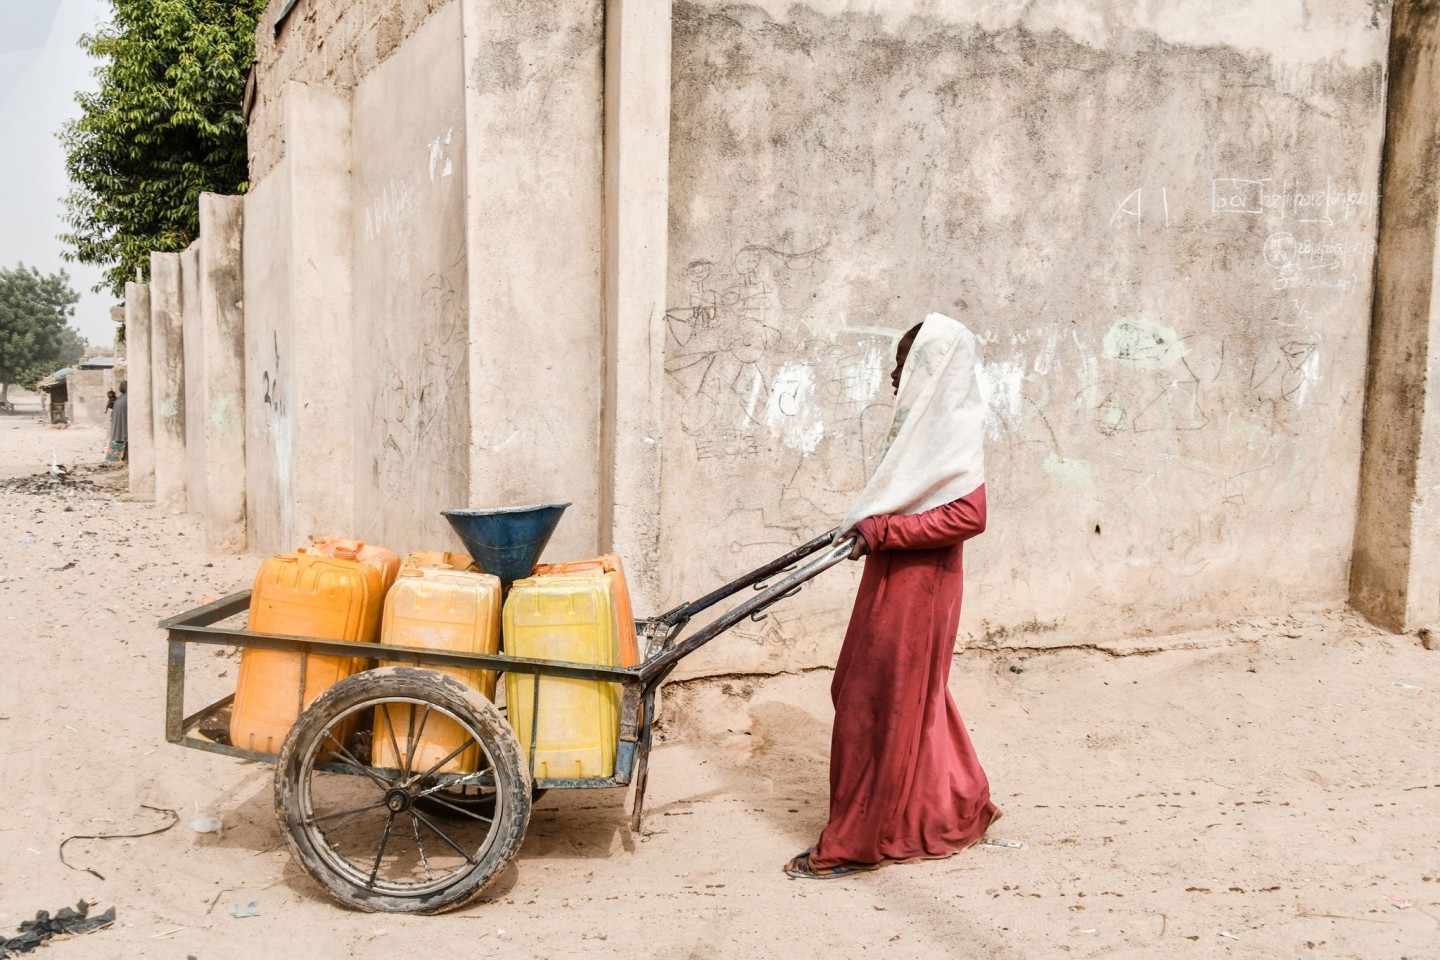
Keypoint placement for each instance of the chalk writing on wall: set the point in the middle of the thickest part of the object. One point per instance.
(272, 390)
(749, 382)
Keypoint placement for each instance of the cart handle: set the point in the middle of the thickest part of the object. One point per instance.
(656, 668)
(684, 612)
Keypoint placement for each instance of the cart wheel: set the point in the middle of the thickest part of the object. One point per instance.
(362, 832)
(457, 803)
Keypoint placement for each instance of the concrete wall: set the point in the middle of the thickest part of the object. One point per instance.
(409, 322)
(269, 430)
(298, 339)
(196, 374)
(655, 263)
(1160, 223)
(167, 381)
(140, 406)
(637, 183)
(1397, 529)
(331, 43)
(534, 214)
(222, 331)
(86, 390)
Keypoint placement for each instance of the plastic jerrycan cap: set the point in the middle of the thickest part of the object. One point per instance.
(345, 553)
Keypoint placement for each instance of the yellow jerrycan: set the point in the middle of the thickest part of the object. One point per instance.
(570, 617)
(440, 609)
(624, 614)
(303, 595)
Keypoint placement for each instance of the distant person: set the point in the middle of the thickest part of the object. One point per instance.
(119, 449)
(905, 783)
(109, 400)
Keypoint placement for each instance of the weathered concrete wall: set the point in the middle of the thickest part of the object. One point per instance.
(409, 323)
(196, 373)
(1397, 529)
(1159, 221)
(269, 427)
(637, 178)
(321, 195)
(534, 214)
(222, 349)
(298, 342)
(167, 381)
(333, 43)
(140, 408)
(87, 396)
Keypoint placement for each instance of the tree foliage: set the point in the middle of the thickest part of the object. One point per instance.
(35, 337)
(165, 126)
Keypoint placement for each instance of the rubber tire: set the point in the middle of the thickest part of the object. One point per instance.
(512, 782)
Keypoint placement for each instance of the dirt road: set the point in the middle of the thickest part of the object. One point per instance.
(1265, 790)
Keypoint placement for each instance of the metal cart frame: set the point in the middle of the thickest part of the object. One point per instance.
(660, 638)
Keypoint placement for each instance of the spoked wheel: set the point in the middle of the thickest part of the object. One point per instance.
(359, 826)
(457, 803)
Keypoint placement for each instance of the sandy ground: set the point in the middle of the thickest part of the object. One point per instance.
(1254, 791)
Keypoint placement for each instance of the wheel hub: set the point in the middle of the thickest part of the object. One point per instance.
(398, 799)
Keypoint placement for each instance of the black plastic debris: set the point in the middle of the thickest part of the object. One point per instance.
(68, 921)
(69, 485)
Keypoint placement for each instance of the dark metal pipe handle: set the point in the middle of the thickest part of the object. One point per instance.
(661, 664)
(757, 617)
(687, 610)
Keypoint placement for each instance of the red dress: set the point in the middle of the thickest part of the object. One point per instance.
(904, 779)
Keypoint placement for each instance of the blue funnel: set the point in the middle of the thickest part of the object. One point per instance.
(506, 541)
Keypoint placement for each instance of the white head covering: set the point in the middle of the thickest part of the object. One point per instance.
(936, 450)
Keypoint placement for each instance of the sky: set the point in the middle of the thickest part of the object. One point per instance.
(41, 68)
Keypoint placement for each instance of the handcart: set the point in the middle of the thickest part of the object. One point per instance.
(407, 840)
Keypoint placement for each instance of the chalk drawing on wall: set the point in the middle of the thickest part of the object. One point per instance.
(722, 371)
(1131, 211)
(751, 382)
(1318, 262)
(415, 418)
(1289, 373)
(442, 164)
(1141, 343)
(1234, 195)
(272, 395)
(390, 215)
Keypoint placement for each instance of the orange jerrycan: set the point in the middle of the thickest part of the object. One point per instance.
(624, 614)
(439, 558)
(450, 610)
(577, 725)
(386, 561)
(302, 595)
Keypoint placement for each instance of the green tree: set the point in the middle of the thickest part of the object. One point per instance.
(165, 125)
(34, 309)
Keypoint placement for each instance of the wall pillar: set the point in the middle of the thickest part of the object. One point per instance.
(534, 216)
(139, 408)
(1395, 569)
(637, 196)
(167, 381)
(317, 140)
(222, 331)
(195, 376)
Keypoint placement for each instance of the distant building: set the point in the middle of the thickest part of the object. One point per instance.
(78, 394)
